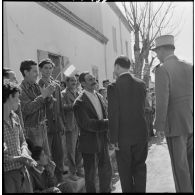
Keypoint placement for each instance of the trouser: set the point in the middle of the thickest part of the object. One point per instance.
(73, 154)
(17, 181)
(57, 153)
(181, 153)
(100, 160)
(149, 123)
(132, 167)
(38, 136)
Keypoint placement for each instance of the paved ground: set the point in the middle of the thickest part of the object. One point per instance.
(159, 172)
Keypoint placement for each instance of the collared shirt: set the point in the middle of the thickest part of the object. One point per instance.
(32, 104)
(124, 73)
(96, 103)
(14, 141)
(169, 56)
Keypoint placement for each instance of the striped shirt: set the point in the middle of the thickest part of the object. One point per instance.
(14, 141)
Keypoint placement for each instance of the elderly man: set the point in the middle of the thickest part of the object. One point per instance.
(174, 110)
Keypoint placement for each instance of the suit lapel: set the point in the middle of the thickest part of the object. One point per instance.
(89, 104)
(102, 105)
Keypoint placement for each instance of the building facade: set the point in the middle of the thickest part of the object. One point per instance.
(87, 35)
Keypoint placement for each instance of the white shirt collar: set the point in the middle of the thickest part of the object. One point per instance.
(169, 56)
(124, 73)
(89, 93)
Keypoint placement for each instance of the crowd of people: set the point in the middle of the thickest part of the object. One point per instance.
(49, 126)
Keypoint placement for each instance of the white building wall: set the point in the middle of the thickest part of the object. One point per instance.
(31, 27)
(90, 12)
(126, 36)
(111, 19)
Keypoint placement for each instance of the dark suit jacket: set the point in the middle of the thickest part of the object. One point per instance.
(93, 132)
(126, 110)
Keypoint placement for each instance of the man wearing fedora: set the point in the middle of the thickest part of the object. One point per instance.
(174, 110)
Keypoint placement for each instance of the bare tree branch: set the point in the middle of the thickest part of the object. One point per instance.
(156, 13)
(162, 20)
(148, 22)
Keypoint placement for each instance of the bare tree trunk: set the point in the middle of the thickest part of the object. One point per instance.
(147, 68)
(137, 54)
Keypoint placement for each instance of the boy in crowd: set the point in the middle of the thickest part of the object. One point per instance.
(16, 155)
(54, 115)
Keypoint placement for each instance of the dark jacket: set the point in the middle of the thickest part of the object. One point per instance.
(126, 110)
(68, 99)
(93, 132)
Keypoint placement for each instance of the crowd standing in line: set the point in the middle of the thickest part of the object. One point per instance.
(49, 125)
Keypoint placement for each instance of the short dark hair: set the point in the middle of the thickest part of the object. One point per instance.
(36, 152)
(27, 65)
(123, 61)
(82, 76)
(9, 88)
(30, 144)
(105, 81)
(6, 72)
(63, 83)
(101, 89)
(68, 78)
(46, 61)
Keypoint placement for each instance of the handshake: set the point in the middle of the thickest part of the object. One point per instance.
(47, 91)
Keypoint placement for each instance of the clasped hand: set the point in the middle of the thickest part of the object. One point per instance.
(27, 160)
(114, 146)
(47, 91)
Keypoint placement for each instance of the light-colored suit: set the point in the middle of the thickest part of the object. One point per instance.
(174, 116)
(72, 131)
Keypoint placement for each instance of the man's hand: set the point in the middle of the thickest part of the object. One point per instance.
(114, 146)
(27, 160)
(160, 134)
(51, 167)
(47, 91)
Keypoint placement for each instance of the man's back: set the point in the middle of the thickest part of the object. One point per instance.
(179, 119)
(130, 98)
(181, 79)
